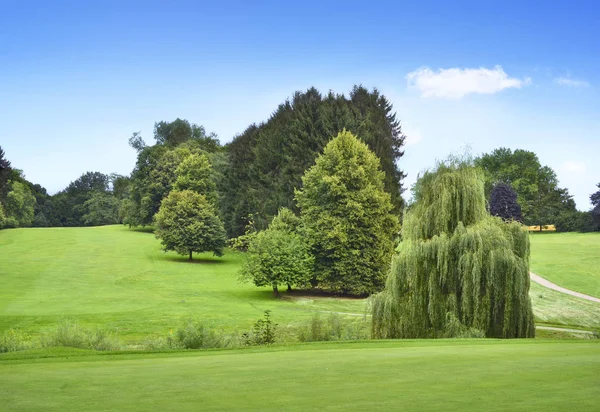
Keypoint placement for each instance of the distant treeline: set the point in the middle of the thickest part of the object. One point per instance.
(258, 172)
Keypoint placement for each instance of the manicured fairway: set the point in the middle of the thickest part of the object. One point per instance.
(571, 260)
(385, 375)
(119, 279)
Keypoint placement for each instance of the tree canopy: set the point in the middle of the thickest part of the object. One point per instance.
(348, 217)
(279, 255)
(187, 222)
(538, 194)
(267, 161)
(458, 271)
(503, 203)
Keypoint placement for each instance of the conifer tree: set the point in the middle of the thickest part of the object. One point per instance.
(458, 271)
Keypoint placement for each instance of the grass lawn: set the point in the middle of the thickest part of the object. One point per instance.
(571, 260)
(461, 375)
(555, 308)
(119, 279)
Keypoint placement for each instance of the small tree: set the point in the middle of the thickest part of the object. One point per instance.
(278, 255)
(503, 203)
(348, 217)
(187, 222)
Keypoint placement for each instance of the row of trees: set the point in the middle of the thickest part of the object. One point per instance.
(267, 161)
(540, 199)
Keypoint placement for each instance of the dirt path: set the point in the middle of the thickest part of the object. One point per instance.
(553, 286)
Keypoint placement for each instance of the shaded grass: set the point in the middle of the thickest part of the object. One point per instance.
(384, 375)
(571, 260)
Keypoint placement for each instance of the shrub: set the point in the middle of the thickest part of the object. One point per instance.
(14, 340)
(332, 328)
(263, 332)
(69, 333)
(194, 334)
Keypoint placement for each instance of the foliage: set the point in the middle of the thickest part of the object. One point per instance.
(595, 197)
(194, 173)
(456, 265)
(503, 203)
(69, 208)
(538, 194)
(101, 209)
(242, 242)
(13, 340)
(2, 216)
(5, 174)
(69, 333)
(196, 334)
(158, 167)
(348, 217)
(19, 206)
(187, 222)
(263, 332)
(267, 161)
(332, 328)
(279, 255)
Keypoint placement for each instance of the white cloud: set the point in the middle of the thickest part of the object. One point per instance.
(574, 167)
(568, 81)
(455, 83)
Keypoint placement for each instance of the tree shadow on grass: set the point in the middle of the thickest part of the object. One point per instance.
(142, 229)
(204, 260)
(294, 294)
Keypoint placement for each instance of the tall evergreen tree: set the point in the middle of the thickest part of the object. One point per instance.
(267, 161)
(458, 271)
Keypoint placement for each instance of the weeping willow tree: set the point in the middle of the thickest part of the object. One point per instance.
(458, 271)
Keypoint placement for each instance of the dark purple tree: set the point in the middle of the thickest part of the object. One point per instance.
(503, 203)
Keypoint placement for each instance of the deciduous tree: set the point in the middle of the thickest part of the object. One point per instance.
(187, 222)
(503, 203)
(348, 217)
(458, 271)
(279, 255)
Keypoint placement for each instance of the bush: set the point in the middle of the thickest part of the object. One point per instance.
(194, 334)
(70, 334)
(334, 327)
(14, 340)
(263, 332)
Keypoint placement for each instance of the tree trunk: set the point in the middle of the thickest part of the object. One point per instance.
(289, 287)
(190, 255)
(276, 291)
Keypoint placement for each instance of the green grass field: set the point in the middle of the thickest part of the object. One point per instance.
(461, 375)
(120, 279)
(571, 260)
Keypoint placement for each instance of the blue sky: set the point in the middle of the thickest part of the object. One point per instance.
(76, 79)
